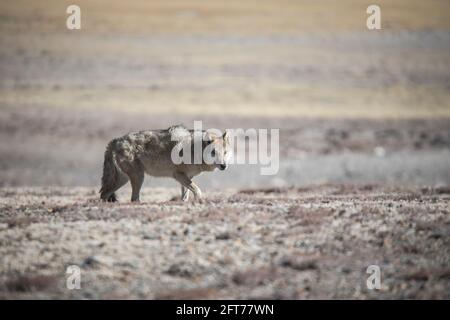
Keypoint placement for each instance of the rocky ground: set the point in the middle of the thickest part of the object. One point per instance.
(282, 243)
(364, 144)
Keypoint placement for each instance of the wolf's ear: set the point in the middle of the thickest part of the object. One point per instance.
(208, 137)
(226, 135)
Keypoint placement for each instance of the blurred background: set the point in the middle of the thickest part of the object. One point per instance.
(353, 105)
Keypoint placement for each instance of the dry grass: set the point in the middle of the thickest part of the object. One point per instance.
(289, 244)
(25, 284)
(296, 100)
(266, 58)
(250, 17)
(338, 93)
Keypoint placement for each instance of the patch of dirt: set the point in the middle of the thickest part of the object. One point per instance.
(284, 243)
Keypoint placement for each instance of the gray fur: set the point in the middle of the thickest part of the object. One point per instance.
(128, 158)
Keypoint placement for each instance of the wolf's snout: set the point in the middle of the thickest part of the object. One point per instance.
(222, 166)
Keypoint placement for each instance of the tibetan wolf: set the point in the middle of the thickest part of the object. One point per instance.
(151, 151)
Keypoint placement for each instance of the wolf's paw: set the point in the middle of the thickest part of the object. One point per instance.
(199, 201)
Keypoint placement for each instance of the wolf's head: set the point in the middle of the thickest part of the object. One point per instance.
(217, 150)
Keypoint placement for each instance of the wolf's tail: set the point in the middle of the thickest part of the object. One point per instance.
(110, 176)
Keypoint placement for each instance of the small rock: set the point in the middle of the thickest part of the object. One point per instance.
(96, 261)
(185, 270)
(299, 264)
(223, 236)
(150, 236)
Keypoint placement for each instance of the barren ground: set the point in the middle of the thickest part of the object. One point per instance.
(272, 243)
(364, 119)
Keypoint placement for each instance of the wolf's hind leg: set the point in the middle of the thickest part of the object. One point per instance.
(136, 184)
(135, 172)
(122, 180)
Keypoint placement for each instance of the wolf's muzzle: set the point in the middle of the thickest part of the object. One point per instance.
(222, 167)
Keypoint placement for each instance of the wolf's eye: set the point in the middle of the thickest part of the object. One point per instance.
(213, 153)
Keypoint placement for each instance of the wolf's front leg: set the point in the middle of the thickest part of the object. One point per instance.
(184, 194)
(188, 184)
